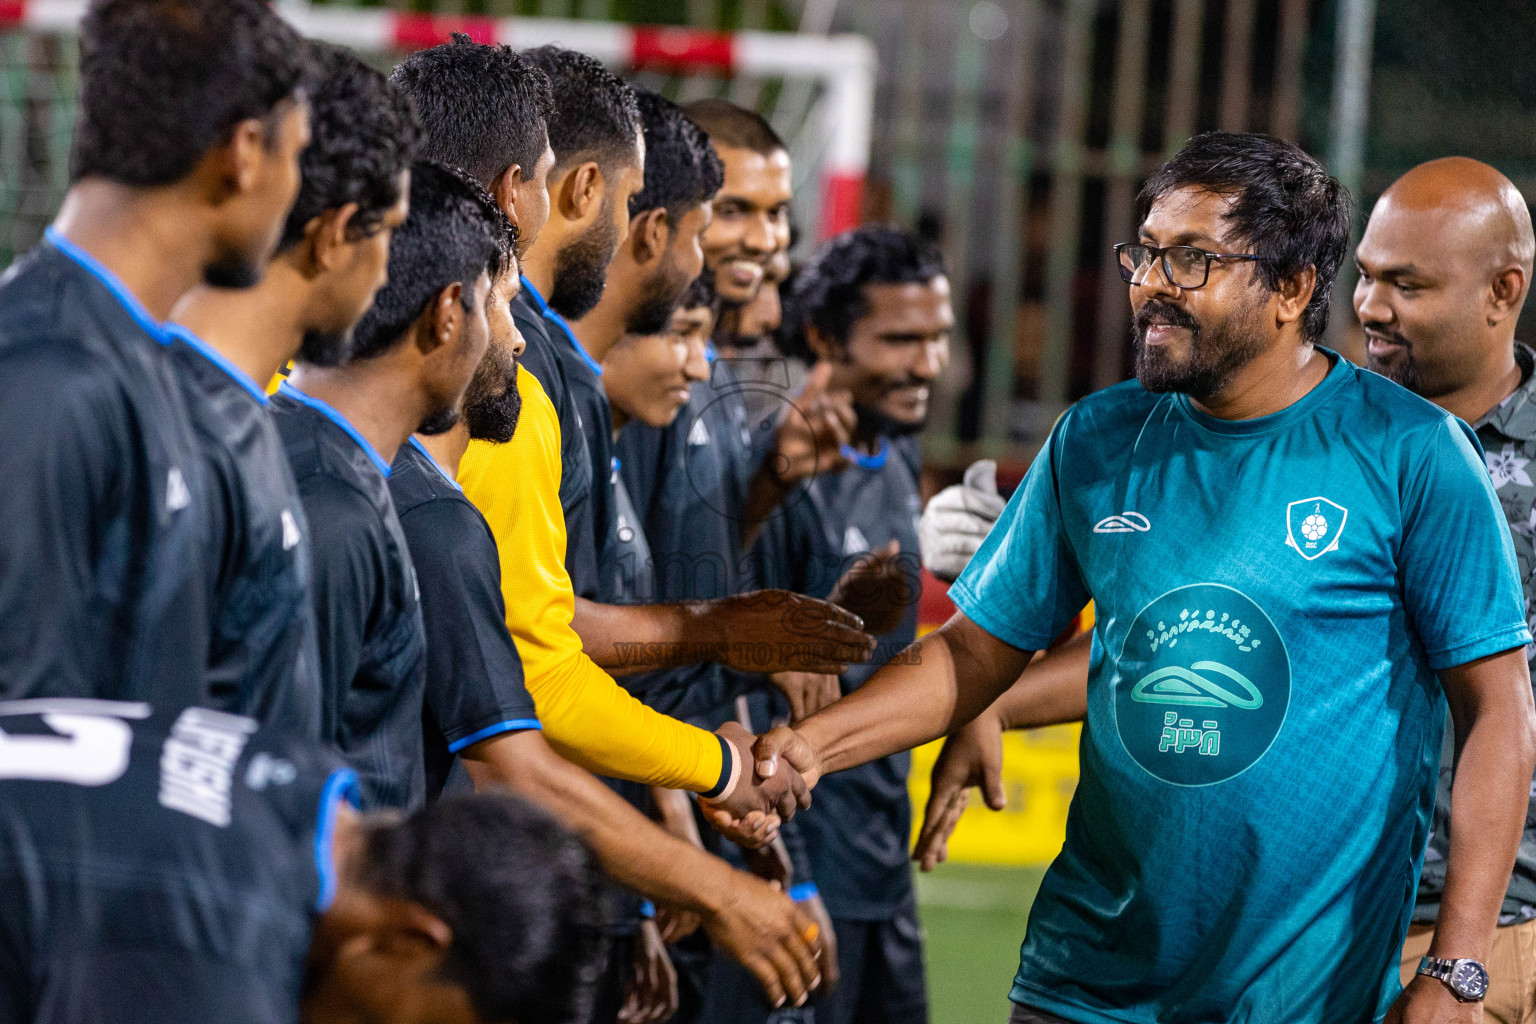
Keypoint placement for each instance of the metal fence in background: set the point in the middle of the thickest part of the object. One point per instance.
(1015, 133)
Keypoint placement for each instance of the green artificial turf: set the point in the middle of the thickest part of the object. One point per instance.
(973, 920)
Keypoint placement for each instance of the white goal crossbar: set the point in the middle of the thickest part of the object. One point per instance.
(843, 64)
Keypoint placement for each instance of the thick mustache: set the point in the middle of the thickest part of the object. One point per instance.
(902, 385)
(1382, 331)
(1155, 312)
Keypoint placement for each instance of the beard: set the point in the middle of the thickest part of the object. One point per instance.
(492, 403)
(654, 314)
(872, 422)
(581, 269)
(232, 270)
(1405, 371)
(1216, 353)
(325, 348)
(439, 422)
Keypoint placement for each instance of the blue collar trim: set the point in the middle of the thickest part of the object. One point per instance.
(559, 321)
(340, 786)
(218, 359)
(337, 418)
(869, 462)
(130, 302)
(428, 456)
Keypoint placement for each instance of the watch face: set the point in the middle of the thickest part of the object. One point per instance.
(1469, 980)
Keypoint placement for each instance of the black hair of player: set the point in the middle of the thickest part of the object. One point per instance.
(482, 108)
(520, 893)
(1285, 207)
(162, 82)
(362, 135)
(595, 115)
(828, 291)
(735, 127)
(682, 169)
(448, 236)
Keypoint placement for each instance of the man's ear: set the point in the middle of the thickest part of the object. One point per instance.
(649, 235)
(1506, 294)
(1295, 293)
(824, 348)
(581, 192)
(445, 317)
(326, 237)
(235, 166)
(406, 928)
(504, 189)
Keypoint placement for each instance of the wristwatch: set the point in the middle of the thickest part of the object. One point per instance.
(1467, 979)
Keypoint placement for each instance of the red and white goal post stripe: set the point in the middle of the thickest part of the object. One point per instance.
(843, 64)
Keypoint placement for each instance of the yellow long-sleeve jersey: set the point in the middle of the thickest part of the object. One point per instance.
(587, 717)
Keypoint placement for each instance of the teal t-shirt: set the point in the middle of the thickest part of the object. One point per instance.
(1273, 598)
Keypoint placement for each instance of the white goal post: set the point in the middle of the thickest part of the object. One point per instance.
(843, 65)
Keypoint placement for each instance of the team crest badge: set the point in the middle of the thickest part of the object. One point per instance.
(1313, 526)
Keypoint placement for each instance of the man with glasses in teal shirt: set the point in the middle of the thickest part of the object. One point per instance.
(1295, 564)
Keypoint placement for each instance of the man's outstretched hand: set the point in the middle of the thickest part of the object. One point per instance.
(771, 631)
(973, 756)
(750, 813)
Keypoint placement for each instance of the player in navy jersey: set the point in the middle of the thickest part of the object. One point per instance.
(478, 711)
(874, 305)
(184, 866)
(331, 259)
(410, 359)
(184, 164)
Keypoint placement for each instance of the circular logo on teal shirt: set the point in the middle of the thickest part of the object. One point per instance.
(1203, 686)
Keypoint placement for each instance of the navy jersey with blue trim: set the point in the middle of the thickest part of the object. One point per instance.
(102, 520)
(264, 661)
(687, 482)
(857, 829)
(373, 666)
(158, 865)
(474, 677)
(586, 431)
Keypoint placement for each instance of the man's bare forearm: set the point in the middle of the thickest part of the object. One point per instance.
(626, 639)
(932, 688)
(633, 850)
(1052, 690)
(1496, 751)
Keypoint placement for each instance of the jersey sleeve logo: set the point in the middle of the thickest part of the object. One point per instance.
(1125, 522)
(1313, 526)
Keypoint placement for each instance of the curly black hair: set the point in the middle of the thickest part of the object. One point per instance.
(448, 236)
(596, 115)
(506, 235)
(828, 291)
(363, 134)
(682, 169)
(1285, 206)
(164, 81)
(734, 126)
(520, 893)
(484, 108)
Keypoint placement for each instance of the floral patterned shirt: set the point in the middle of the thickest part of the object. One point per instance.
(1508, 436)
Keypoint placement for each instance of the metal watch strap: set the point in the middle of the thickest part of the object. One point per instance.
(1436, 968)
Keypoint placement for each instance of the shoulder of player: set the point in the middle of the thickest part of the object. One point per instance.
(416, 482)
(1382, 404)
(343, 507)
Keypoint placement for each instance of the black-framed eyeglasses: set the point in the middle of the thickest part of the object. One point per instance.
(1185, 266)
